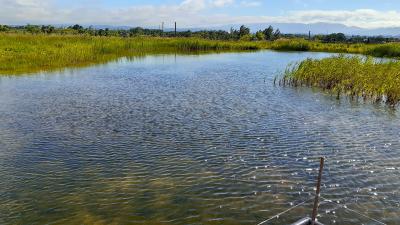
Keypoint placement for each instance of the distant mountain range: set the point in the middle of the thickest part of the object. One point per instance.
(319, 28)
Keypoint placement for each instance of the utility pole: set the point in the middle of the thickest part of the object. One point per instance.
(309, 35)
(162, 26)
(175, 29)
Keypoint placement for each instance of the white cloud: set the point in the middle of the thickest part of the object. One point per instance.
(193, 5)
(12, 11)
(251, 3)
(222, 3)
(366, 18)
(189, 13)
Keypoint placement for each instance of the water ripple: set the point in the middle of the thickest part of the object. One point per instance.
(191, 140)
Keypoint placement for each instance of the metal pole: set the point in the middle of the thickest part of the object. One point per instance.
(316, 200)
(175, 29)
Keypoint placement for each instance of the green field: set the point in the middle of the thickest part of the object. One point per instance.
(354, 76)
(27, 53)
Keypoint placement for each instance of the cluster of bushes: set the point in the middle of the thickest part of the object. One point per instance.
(244, 34)
(4, 28)
(268, 34)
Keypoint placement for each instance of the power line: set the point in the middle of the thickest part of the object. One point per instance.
(352, 210)
(279, 214)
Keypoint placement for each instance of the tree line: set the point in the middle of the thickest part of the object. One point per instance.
(243, 33)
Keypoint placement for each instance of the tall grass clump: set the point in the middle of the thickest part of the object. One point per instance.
(357, 77)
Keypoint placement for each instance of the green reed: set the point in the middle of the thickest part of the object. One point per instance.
(26, 53)
(391, 50)
(21, 53)
(354, 76)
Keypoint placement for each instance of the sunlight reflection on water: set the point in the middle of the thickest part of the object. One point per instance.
(203, 139)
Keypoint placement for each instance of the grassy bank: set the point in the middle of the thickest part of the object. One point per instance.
(345, 75)
(27, 53)
(21, 53)
(391, 50)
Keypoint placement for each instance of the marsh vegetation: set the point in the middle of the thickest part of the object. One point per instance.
(354, 76)
(21, 53)
(390, 50)
(26, 53)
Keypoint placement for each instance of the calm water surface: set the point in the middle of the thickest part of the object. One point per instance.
(190, 140)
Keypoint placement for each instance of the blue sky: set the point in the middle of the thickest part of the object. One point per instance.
(199, 13)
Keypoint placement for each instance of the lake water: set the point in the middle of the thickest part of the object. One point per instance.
(203, 139)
